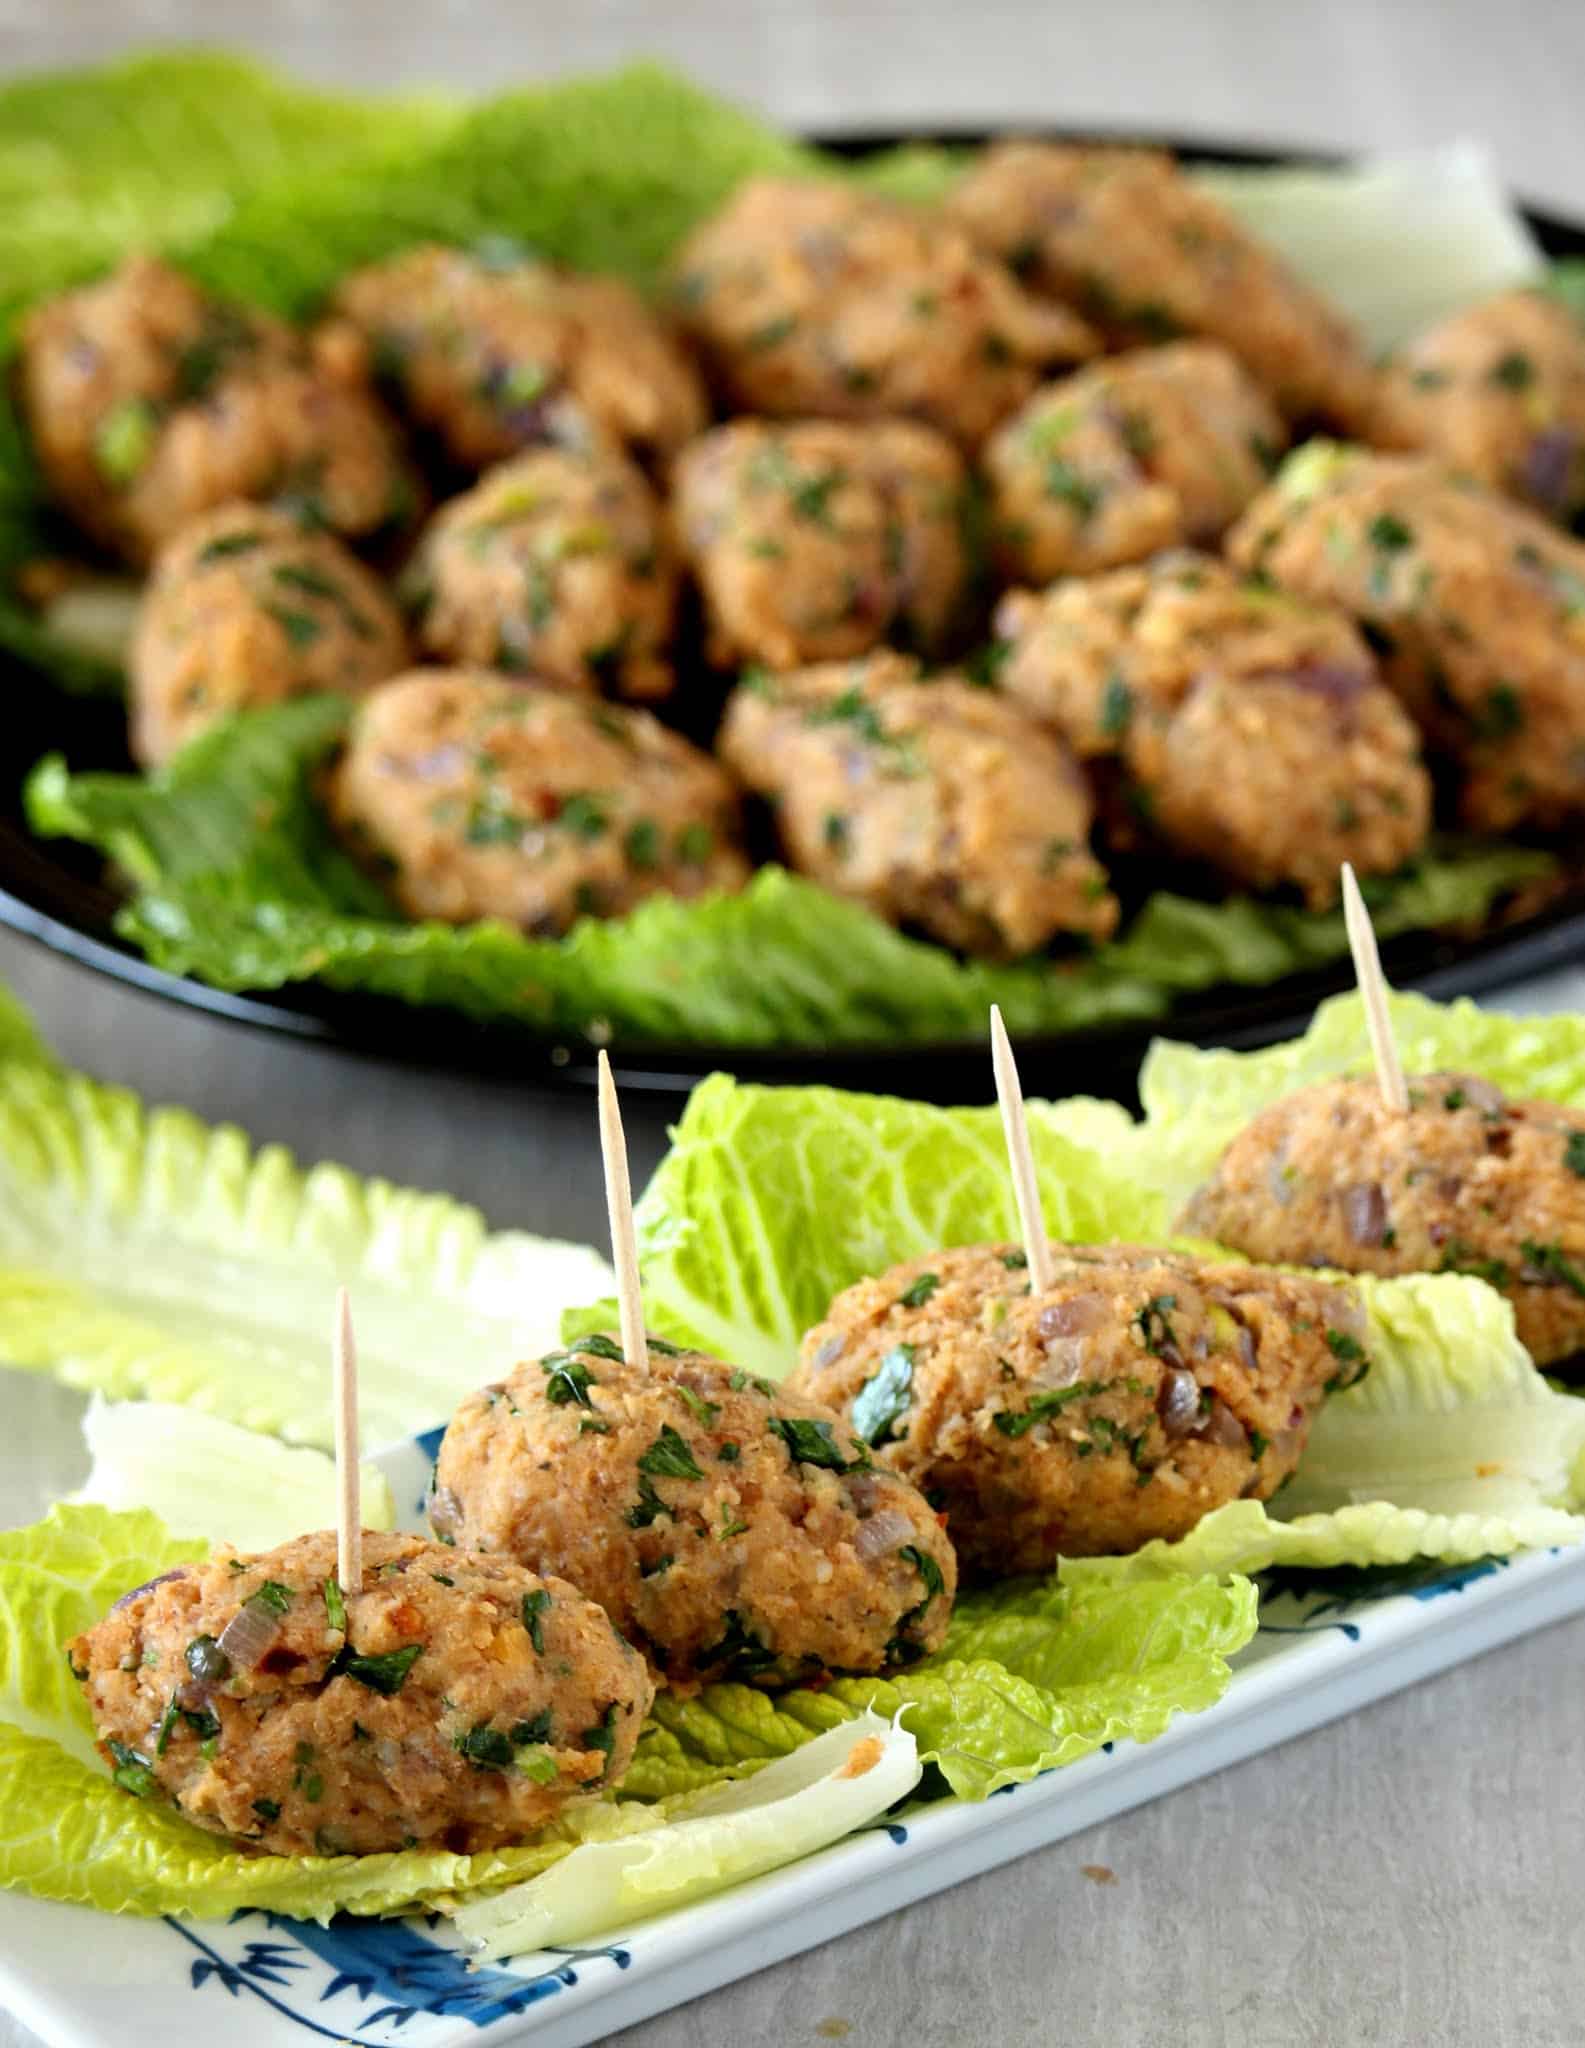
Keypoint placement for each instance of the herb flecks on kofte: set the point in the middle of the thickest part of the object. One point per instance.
(1158, 448)
(149, 402)
(933, 803)
(820, 539)
(247, 607)
(473, 795)
(1464, 1181)
(1476, 604)
(1139, 1392)
(730, 1528)
(1497, 391)
(1247, 727)
(492, 352)
(1150, 256)
(556, 565)
(813, 299)
(449, 1702)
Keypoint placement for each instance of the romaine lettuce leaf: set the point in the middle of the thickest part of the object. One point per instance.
(19, 1035)
(56, 1579)
(1197, 1101)
(1034, 1674)
(709, 1840)
(146, 1254)
(206, 1478)
(160, 148)
(242, 885)
(773, 1199)
(1397, 242)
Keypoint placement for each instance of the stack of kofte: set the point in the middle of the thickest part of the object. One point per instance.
(532, 525)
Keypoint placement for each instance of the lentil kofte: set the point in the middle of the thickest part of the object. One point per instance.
(247, 606)
(451, 1701)
(1498, 392)
(1251, 729)
(1464, 1181)
(818, 300)
(1143, 1390)
(493, 352)
(820, 539)
(728, 1527)
(557, 565)
(1150, 256)
(1154, 449)
(1476, 604)
(937, 804)
(474, 795)
(149, 402)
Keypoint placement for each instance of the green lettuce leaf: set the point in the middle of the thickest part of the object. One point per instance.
(68, 1832)
(20, 1038)
(146, 1254)
(708, 1841)
(1197, 1101)
(159, 149)
(56, 1579)
(1034, 1674)
(1452, 1418)
(209, 1479)
(241, 884)
(771, 1200)
(1452, 1447)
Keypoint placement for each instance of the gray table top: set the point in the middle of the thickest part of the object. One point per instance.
(1406, 1875)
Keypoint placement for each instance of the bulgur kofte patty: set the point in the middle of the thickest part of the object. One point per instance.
(148, 402)
(248, 606)
(818, 300)
(1149, 256)
(449, 1702)
(1498, 392)
(1252, 729)
(1158, 448)
(556, 564)
(729, 1528)
(1475, 604)
(1143, 1390)
(492, 351)
(933, 803)
(1464, 1181)
(475, 795)
(818, 539)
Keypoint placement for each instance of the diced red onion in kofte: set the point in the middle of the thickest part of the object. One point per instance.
(1464, 1182)
(1144, 1389)
(451, 1701)
(729, 1528)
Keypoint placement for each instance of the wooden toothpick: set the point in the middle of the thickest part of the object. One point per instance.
(619, 1209)
(1373, 992)
(349, 1503)
(1037, 1249)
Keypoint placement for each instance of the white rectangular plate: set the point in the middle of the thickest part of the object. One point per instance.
(262, 1982)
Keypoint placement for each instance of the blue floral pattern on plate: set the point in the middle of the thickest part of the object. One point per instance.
(393, 1961)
